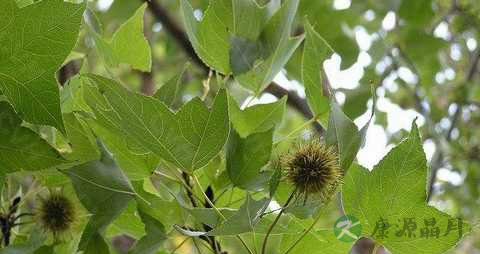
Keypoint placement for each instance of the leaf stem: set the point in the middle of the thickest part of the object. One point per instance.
(206, 197)
(196, 246)
(265, 240)
(186, 186)
(180, 245)
(218, 211)
(304, 234)
(208, 247)
(171, 178)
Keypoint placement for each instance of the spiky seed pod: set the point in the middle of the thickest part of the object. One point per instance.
(313, 168)
(56, 213)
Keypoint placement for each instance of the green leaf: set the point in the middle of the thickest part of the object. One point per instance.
(81, 139)
(334, 26)
(23, 3)
(210, 216)
(356, 101)
(246, 156)
(275, 179)
(167, 212)
(35, 41)
(396, 190)
(168, 93)
(22, 148)
(416, 13)
(246, 42)
(244, 220)
(315, 242)
(153, 240)
(210, 31)
(34, 242)
(277, 47)
(315, 52)
(243, 54)
(258, 118)
(232, 26)
(206, 131)
(128, 44)
(343, 134)
(135, 165)
(147, 122)
(104, 191)
(135, 161)
(71, 96)
(2, 180)
(45, 250)
(128, 223)
(96, 245)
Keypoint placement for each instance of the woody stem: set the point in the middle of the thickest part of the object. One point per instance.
(265, 240)
(218, 212)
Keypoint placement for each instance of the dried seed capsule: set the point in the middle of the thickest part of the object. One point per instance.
(313, 168)
(56, 213)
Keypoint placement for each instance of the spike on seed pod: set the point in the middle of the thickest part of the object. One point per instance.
(56, 213)
(313, 169)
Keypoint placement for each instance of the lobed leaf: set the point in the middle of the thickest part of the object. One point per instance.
(105, 192)
(35, 41)
(21, 148)
(315, 52)
(395, 190)
(149, 124)
(246, 156)
(128, 44)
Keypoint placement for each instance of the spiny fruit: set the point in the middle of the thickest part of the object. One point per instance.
(56, 213)
(313, 168)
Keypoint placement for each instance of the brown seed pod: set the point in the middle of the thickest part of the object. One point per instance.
(56, 213)
(313, 169)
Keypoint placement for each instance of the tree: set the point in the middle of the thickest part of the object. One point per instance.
(221, 126)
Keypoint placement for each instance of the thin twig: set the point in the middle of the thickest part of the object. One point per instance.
(180, 245)
(439, 156)
(219, 213)
(265, 240)
(196, 246)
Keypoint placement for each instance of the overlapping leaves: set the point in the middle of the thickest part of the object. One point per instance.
(20, 147)
(35, 41)
(187, 139)
(128, 44)
(248, 43)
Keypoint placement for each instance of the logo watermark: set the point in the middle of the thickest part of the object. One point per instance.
(426, 228)
(347, 228)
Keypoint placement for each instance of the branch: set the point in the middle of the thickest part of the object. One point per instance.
(437, 164)
(209, 239)
(162, 15)
(66, 72)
